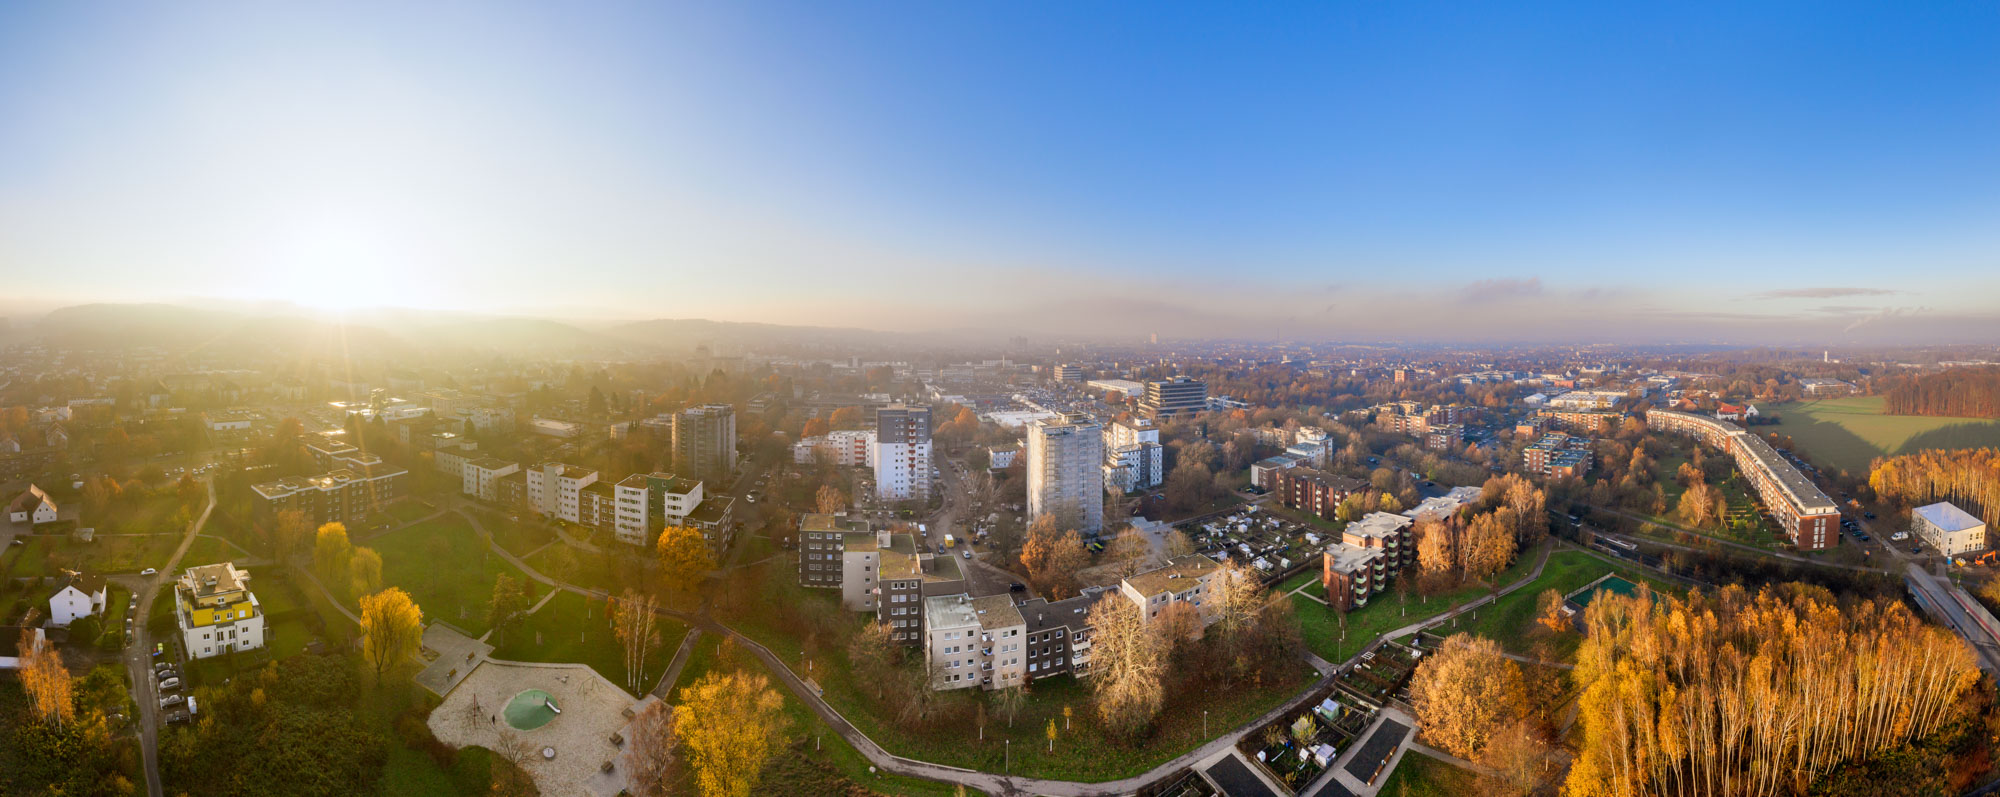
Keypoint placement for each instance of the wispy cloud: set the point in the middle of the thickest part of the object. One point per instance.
(1884, 313)
(1823, 293)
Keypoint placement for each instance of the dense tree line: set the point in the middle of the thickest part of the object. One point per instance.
(1957, 393)
(1729, 693)
(1968, 477)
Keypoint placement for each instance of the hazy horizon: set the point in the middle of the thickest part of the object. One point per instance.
(1806, 174)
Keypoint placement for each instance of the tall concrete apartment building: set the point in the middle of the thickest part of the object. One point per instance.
(1133, 459)
(1065, 480)
(705, 442)
(903, 453)
(1170, 398)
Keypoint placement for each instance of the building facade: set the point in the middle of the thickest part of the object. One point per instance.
(1171, 398)
(975, 642)
(1558, 456)
(705, 442)
(556, 490)
(216, 611)
(1065, 480)
(903, 453)
(1807, 515)
(1950, 530)
(1133, 459)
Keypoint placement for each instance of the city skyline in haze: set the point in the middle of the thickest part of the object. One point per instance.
(1789, 173)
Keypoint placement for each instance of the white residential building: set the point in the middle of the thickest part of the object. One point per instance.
(32, 506)
(1188, 578)
(648, 502)
(1952, 531)
(216, 611)
(972, 642)
(480, 478)
(76, 596)
(845, 447)
(1133, 459)
(903, 453)
(1065, 473)
(553, 489)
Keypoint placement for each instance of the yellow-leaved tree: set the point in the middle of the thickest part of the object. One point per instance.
(391, 628)
(684, 561)
(1465, 692)
(728, 725)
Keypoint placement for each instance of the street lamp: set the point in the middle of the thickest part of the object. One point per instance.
(1204, 723)
(1007, 765)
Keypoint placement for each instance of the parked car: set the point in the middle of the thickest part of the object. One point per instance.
(170, 684)
(148, 571)
(1017, 587)
(968, 553)
(172, 700)
(166, 672)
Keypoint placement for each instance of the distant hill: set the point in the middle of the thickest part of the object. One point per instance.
(370, 333)
(686, 333)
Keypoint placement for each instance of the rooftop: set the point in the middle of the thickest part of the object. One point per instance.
(1344, 558)
(949, 611)
(1171, 578)
(217, 579)
(996, 611)
(1948, 516)
(1379, 524)
(820, 521)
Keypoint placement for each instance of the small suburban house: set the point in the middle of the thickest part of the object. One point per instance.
(33, 506)
(76, 596)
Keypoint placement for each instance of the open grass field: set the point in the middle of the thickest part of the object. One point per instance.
(573, 628)
(1847, 433)
(1419, 775)
(43, 555)
(447, 569)
(1320, 624)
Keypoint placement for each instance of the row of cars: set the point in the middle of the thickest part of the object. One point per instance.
(178, 707)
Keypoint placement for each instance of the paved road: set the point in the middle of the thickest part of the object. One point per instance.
(138, 649)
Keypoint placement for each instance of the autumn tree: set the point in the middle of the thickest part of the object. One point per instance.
(44, 678)
(1053, 559)
(1549, 612)
(364, 572)
(652, 751)
(1131, 550)
(289, 535)
(729, 724)
(1489, 544)
(684, 561)
(331, 551)
(391, 628)
(1190, 486)
(510, 598)
(1177, 544)
(1126, 667)
(1519, 761)
(830, 499)
(636, 625)
(1465, 692)
(1697, 505)
(1728, 693)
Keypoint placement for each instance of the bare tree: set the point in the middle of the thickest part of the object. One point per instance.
(637, 628)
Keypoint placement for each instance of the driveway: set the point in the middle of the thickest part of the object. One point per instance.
(138, 649)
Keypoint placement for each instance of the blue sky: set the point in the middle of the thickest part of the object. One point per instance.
(1686, 171)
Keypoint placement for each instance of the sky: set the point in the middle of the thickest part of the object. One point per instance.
(1814, 172)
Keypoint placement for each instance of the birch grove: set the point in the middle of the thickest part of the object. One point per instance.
(1730, 694)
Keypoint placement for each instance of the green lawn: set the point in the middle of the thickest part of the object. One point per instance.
(447, 569)
(412, 509)
(1849, 432)
(1419, 775)
(517, 538)
(1320, 624)
(573, 628)
(1511, 620)
(43, 555)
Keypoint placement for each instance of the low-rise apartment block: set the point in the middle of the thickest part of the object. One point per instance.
(1184, 579)
(480, 478)
(1058, 635)
(1807, 515)
(216, 611)
(1558, 456)
(1314, 491)
(1950, 530)
(975, 642)
(1589, 423)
